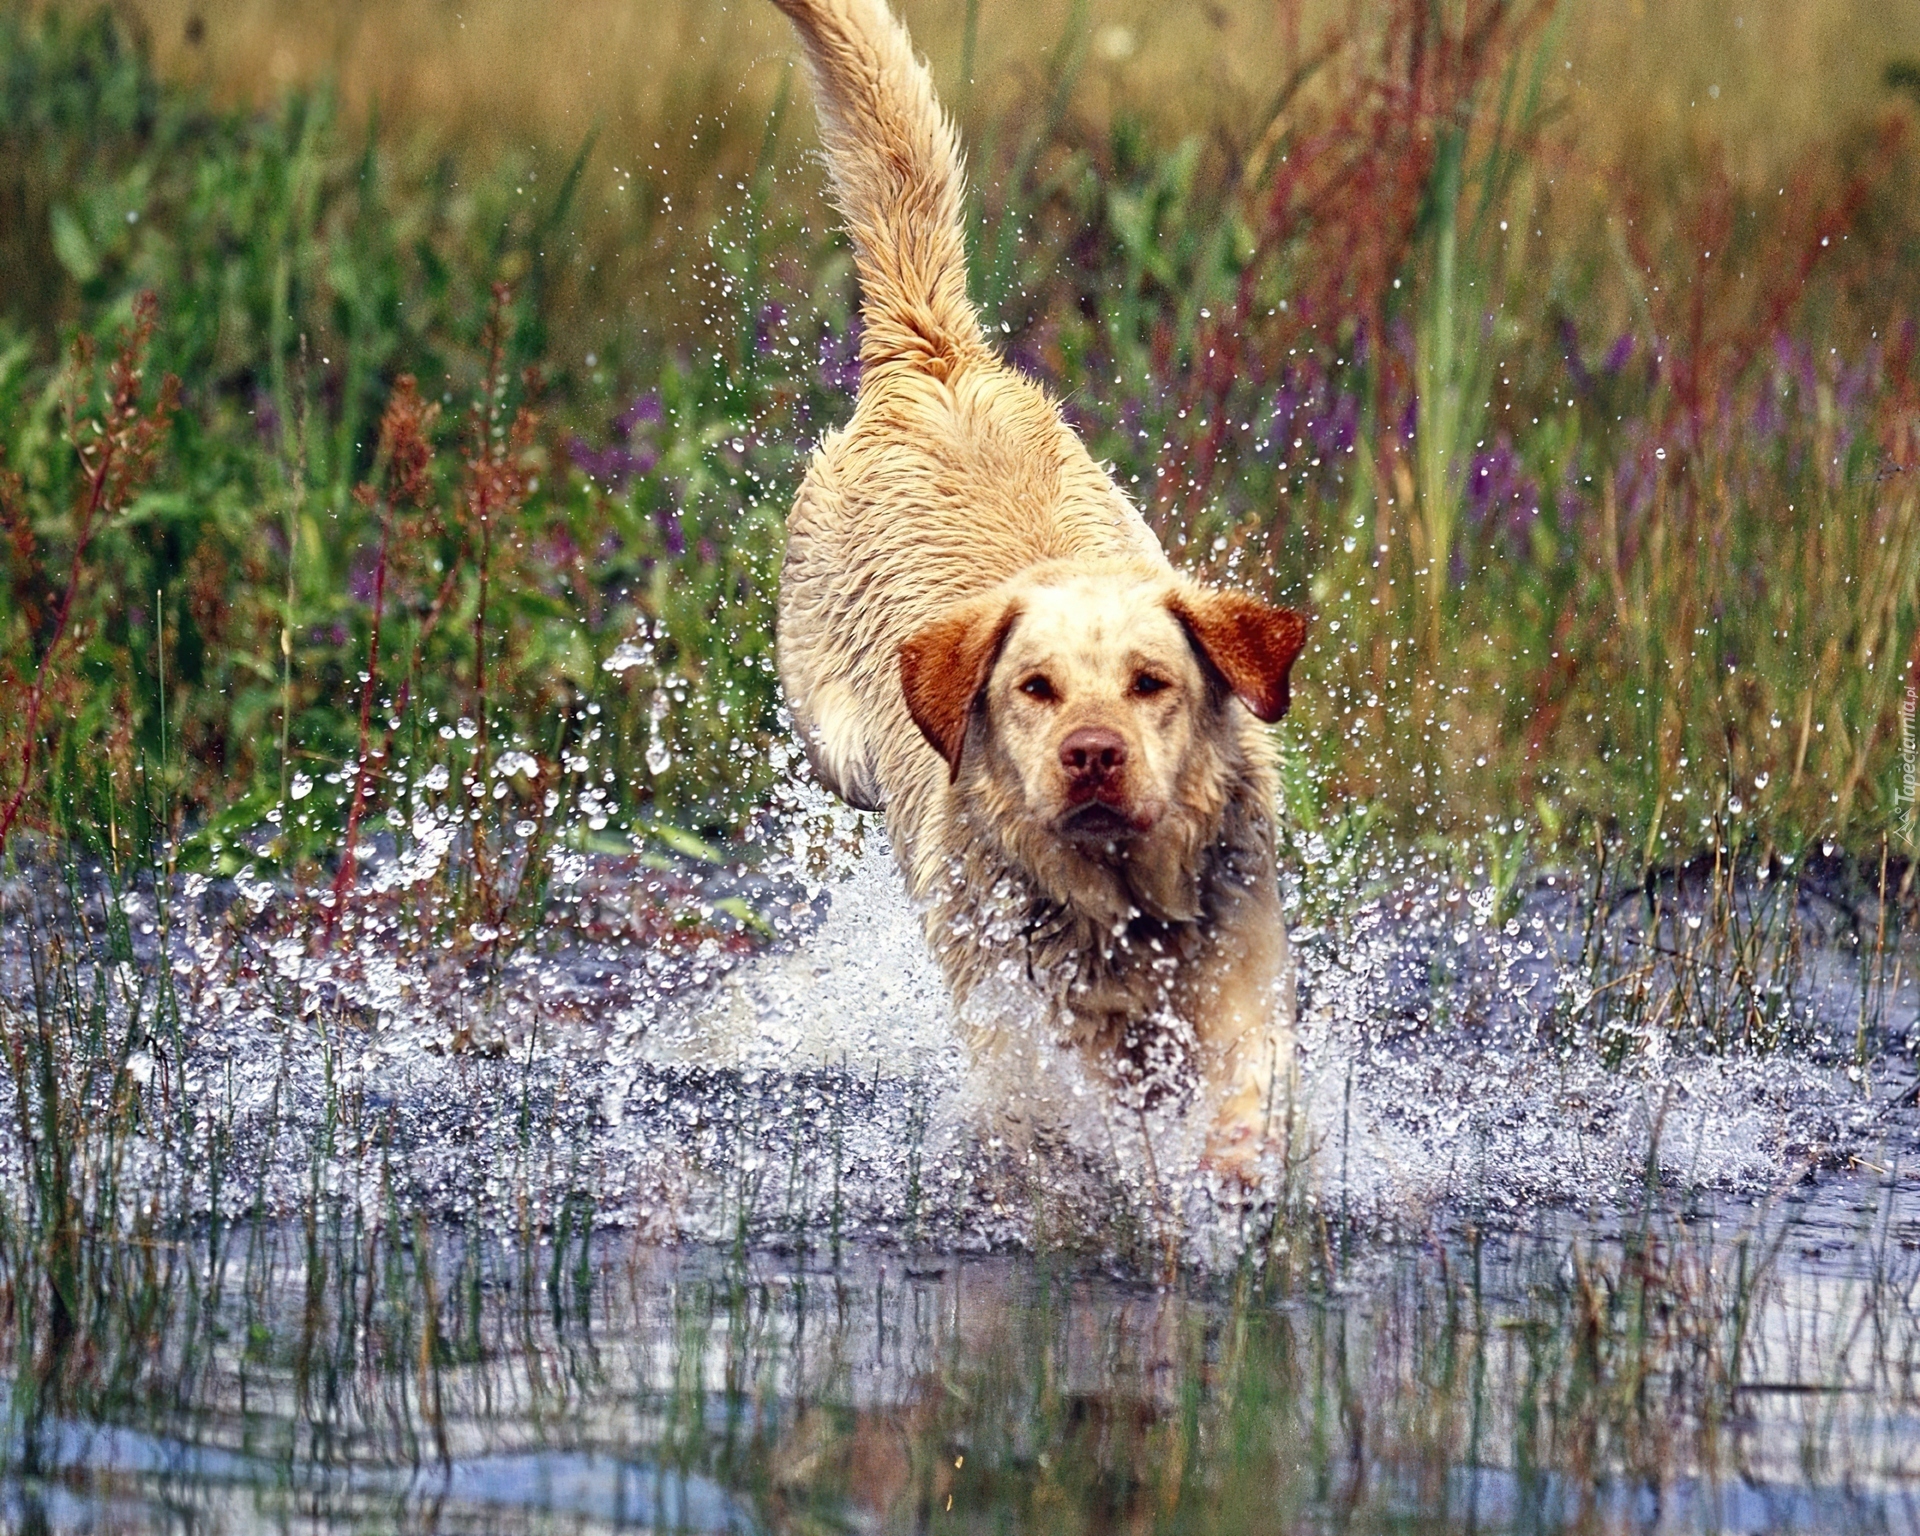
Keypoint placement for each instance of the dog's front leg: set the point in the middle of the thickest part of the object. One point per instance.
(1243, 1021)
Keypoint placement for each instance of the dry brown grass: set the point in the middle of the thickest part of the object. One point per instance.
(1764, 77)
(678, 93)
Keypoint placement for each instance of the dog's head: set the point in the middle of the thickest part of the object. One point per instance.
(1090, 717)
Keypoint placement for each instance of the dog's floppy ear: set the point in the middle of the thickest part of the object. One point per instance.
(1250, 643)
(944, 667)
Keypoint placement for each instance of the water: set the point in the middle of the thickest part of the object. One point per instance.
(1469, 1380)
(654, 1227)
(822, 1068)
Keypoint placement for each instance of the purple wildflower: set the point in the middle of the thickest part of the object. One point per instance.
(1335, 425)
(266, 419)
(612, 466)
(767, 325)
(668, 517)
(1501, 497)
(645, 411)
(362, 572)
(622, 459)
(1410, 418)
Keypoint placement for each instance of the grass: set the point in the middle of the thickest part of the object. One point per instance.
(1598, 526)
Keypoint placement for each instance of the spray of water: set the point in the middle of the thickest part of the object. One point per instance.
(812, 1079)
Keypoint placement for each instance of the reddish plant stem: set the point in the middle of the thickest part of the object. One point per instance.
(36, 696)
(343, 877)
(484, 483)
(481, 866)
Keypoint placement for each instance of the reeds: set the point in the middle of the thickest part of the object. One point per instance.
(1575, 496)
(116, 440)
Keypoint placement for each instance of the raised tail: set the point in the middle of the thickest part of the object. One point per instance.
(897, 177)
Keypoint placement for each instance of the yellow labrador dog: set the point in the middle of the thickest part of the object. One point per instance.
(979, 635)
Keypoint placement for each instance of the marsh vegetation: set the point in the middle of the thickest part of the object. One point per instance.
(456, 1070)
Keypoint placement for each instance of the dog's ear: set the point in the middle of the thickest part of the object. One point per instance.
(1250, 643)
(944, 667)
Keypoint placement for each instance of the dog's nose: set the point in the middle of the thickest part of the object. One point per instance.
(1093, 752)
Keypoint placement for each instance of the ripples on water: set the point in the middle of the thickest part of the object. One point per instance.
(695, 1214)
(1582, 1372)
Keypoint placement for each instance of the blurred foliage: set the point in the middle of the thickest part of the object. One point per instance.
(1612, 530)
(229, 607)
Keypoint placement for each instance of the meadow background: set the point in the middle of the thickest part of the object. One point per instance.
(1561, 360)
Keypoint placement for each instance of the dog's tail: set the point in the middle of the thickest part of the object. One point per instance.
(897, 177)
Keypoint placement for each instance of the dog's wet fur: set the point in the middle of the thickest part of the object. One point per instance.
(979, 635)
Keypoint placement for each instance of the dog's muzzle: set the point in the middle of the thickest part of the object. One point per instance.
(1095, 761)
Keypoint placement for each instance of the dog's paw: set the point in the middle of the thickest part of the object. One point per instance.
(1234, 1159)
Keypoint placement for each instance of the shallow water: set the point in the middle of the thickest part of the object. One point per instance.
(820, 1080)
(1457, 1379)
(631, 1233)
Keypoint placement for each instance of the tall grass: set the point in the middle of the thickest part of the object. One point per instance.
(1603, 510)
(1603, 507)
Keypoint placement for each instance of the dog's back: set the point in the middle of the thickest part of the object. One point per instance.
(955, 473)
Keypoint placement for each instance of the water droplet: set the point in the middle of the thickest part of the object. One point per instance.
(626, 656)
(659, 758)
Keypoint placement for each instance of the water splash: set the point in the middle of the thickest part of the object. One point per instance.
(691, 1081)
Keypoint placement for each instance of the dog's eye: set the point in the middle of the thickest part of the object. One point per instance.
(1037, 687)
(1147, 683)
